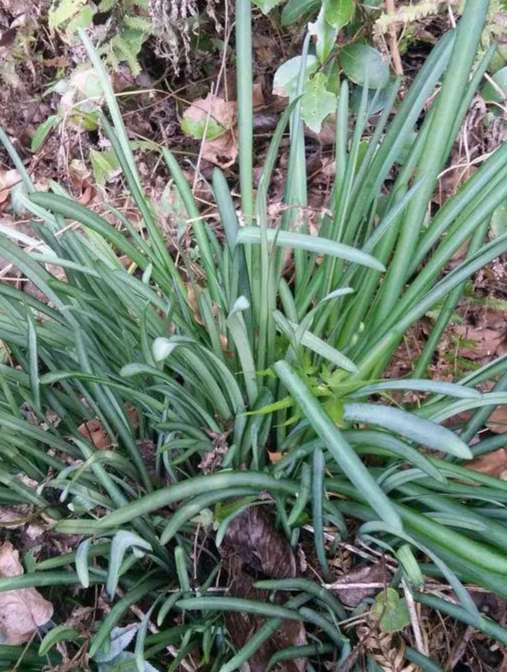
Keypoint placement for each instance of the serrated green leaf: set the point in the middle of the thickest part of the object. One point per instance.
(82, 19)
(62, 11)
(266, 5)
(338, 13)
(139, 23)
(364, 65)
(107, 5)
(317, 102)
(43, 131)
(391, 611)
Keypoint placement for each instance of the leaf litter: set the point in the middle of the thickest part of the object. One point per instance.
(24, 610)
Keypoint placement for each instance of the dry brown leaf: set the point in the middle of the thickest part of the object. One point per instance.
(486, 342)
(13, 517)
(8, 179)
(253, 547)
(492, 464)
(221, 151)
(258, 99)
(497, 421)
(221, 111)
(21, 611)
(357, 584)
(253, 536)
(96, 434)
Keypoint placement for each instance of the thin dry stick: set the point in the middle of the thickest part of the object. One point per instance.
(420, 642)
(393, 39)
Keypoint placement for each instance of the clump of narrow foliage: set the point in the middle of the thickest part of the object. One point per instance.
(269, 360)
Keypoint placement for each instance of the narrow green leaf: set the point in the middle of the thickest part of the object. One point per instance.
(315, 244)
(346, 458)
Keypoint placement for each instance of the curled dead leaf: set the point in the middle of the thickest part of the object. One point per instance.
(22, 611)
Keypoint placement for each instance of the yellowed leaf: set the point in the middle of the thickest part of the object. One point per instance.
(21, 611)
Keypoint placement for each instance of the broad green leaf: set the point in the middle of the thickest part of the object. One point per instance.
(391, 611)
(492, 91)
(266, 5)
(325, 36)
(286, 77)
(338, 13)
(295, 9)
(43, 131)
(107, 5)
(364, 65)
(317, 102)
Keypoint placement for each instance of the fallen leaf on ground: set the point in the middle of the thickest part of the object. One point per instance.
(497, 421)
(258, 99)
(22, 611)
(252, 548)
(211, 120)
(253, 536)
(492, 464)
(8, 179)
(355, 586)
(14, 517)
(95, 432)
(486, 342)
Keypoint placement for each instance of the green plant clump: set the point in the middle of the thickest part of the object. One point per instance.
(238, 350)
